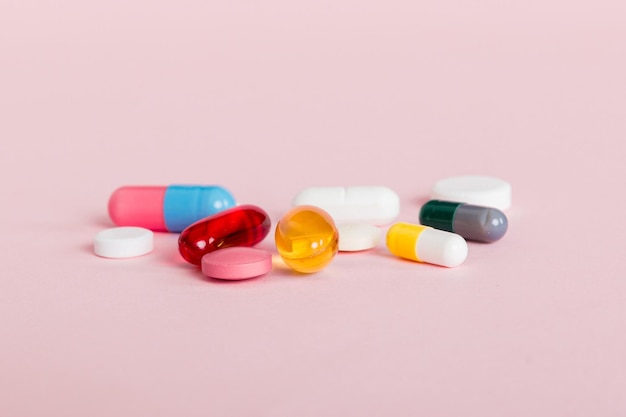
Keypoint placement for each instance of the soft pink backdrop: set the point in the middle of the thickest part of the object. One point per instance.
(270, 97)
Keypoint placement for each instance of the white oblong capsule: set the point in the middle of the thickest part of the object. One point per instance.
(376, 205)
(425, 244)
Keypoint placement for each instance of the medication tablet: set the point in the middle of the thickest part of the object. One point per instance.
(237, 262)
(375, 205)
(358, 236)
(123, 242)
(473, 189)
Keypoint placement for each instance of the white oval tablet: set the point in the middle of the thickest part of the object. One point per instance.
(375, 205)
(474, 189)
(358, 236)
(123, 242)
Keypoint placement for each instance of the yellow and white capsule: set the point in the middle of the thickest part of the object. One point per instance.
(425, 244)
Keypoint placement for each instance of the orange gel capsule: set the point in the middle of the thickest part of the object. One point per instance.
(306, 238)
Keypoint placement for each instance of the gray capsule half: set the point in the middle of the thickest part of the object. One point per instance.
(482, 224)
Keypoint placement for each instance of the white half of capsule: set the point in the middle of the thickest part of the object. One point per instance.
(441, 248)
(376, 205)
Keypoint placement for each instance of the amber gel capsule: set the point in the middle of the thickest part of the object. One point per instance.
(482, 224)
(306, 238)
(244, 225)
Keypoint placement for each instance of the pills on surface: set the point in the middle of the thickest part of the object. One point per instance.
(218, 235)
(474, 189)
(237, 263)
(167, 209)
(355, 237)
(426, 244)
(306, 238)
(244, 225)
(123, 242)
(375, 205)
(482, 224)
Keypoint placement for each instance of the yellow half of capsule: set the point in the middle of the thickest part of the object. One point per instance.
(402, 240)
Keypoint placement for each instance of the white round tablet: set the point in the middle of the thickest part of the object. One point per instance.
(358, 236)
(123, 242)
(474, 189)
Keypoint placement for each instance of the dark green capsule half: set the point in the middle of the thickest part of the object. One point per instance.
(482, 224)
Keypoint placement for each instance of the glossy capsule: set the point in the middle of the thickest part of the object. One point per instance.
(482, 224)
(306, 238)
(425, 244)
(244, 225)
(167, 209)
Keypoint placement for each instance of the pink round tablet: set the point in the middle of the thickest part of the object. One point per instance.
(237, 262)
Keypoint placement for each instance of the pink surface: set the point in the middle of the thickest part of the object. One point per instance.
(268, 98)
(237, 263)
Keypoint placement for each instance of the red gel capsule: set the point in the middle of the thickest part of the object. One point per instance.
(244, 225)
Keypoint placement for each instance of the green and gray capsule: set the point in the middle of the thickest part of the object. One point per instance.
(482, 224)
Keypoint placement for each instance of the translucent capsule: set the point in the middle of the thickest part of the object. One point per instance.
(425, 244)
(167, 209)
(306, 238)
(482, 224)
(244, 225)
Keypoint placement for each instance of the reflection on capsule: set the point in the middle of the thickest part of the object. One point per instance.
(425, 244)
(482, 224)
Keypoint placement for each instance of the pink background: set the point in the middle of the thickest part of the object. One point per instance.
(270, 97)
